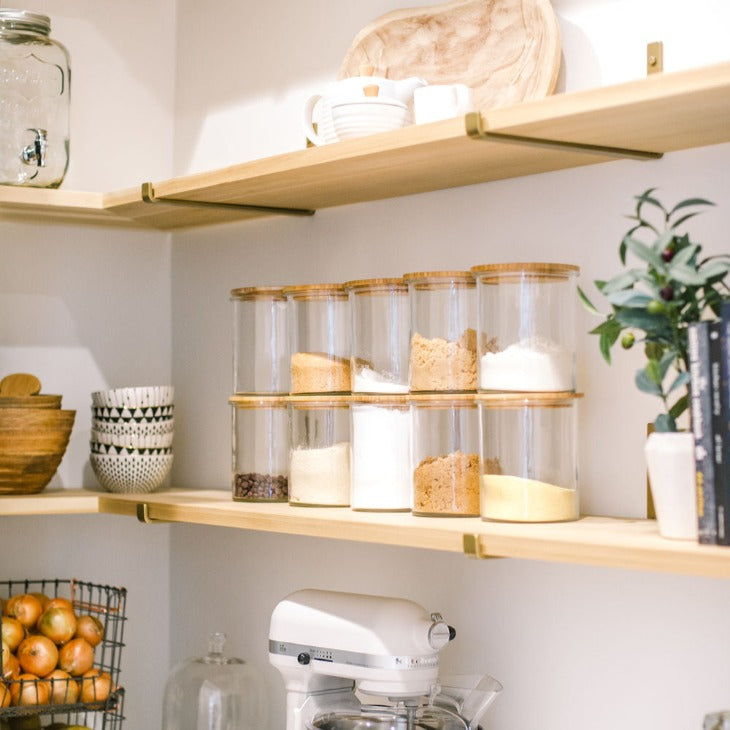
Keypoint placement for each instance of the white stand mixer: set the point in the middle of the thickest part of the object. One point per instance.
(326, 644)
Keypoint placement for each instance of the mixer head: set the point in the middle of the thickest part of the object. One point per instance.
(321, 640)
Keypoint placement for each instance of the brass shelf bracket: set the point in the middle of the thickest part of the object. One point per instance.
(472, 547)
(148, 196)
(654, 57)
(476, 130)
(143, 514)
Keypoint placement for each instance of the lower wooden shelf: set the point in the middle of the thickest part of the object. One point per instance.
(600, 541)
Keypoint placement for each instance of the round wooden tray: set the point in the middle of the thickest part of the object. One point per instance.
(507, 52)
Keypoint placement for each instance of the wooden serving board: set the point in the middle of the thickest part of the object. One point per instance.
(507, 51)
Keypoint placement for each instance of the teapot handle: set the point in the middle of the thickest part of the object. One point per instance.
(307, 125)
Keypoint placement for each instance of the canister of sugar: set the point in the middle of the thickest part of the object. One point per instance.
(443, 349)
(526, 326)
(319, 458)
(260, 449)
(445, 457)
(319, 338)
(528, 456)
(260, 340)
(380, 427)
(380, 330)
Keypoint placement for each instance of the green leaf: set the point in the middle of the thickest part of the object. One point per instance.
(683, 257)
(653, 351)
(680, 406)
(629, 298)
(653, 372)
(688, 276)
(609, 332)
(668, 359)
(599, 284)
(689, 202)
(621, 281)
(655, 325)
(714, 268)
(662, 241)
(587, 303)
(645, 383)
(645, 253)
(664, 422)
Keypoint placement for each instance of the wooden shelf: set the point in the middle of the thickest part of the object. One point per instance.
(658, 114)
(598, 541)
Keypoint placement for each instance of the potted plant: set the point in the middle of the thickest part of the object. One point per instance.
(652, 304)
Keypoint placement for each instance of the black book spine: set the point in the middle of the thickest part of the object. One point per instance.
(715, 334)
(723, 485)
(698, 340)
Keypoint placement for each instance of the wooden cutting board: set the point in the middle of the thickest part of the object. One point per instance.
(507, 51)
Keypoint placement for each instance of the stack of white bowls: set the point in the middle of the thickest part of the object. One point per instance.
(131, 437)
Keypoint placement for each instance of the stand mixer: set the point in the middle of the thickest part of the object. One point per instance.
(327, 644)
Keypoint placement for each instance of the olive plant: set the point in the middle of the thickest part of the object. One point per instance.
(654, 302)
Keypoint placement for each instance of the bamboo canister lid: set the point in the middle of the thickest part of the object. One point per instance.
(388, 284)
(315, 291)
(553, 399)
(258, 292)
(434, 279)
(530, 271)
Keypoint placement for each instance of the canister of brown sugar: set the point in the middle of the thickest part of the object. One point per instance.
(526, 326)
(319, 337)
(380, 428)
(260, 340)
(260, 449)
(380, 330)
(528, 456)
(445, 455)
(443, 350)
(319, 459)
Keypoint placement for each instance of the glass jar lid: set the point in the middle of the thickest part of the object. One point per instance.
(257, 401)
(258, 292)
(532, 271)
(543, 399)
(387, 284)
(439, 279)
(24, 20)
(318, 401)
(315, 291)
(442, 400)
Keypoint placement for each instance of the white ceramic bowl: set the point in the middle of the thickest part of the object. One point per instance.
(111, 449)
(133, 428)
(154, 395)
(133, 440)
(131, 473)
(140, 414)
(367, 115)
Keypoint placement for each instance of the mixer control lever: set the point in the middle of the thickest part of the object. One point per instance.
(439, 633)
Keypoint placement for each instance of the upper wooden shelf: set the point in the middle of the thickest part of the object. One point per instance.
(661, 113)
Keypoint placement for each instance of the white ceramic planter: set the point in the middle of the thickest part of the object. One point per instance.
(671, 464)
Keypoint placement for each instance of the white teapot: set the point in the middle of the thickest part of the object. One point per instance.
(319, 106)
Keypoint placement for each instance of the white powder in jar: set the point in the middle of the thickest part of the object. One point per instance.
(320, 476)
(381, 465)
(516, 499)
(367, 380)
(533, 364)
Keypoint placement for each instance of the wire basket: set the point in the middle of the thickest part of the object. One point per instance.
(108, 605)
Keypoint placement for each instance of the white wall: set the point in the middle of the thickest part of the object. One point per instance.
(90, 307)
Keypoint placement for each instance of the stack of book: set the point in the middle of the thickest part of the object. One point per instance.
(709, 362)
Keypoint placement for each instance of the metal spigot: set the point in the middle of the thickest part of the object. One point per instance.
(35, 152)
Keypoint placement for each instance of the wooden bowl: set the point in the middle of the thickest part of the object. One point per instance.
(32, 445)
(30, 401)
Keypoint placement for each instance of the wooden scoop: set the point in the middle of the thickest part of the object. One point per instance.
(20, 384)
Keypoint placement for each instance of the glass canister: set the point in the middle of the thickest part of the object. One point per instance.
(260, 449)
(380, 427)
(319, 338)
(526, 326)
(380, 330)
(35, 88)
(260, 340)
(214, 692)
(319, 461)
(445, 455)
(443, 351)
(529, 470)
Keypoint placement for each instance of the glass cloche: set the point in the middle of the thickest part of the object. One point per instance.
(214, 692)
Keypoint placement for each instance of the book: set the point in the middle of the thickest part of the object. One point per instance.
(722, 436)
(698, 341)
(719, 462)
